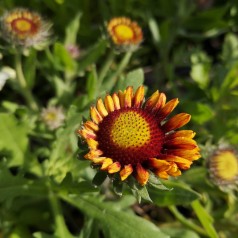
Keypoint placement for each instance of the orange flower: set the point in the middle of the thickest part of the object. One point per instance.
(23, 27)
(125, 32)
(129, 137)
(223, 166)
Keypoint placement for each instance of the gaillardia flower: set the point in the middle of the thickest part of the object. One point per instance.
(129, 137)
(23, 27)
(53, 117)
(124, 32)
(223, 167)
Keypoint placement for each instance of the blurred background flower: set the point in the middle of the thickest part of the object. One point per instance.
(53, 117)
(23, 27)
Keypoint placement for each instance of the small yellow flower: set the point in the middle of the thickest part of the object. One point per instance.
(124, 32)
(129, 137)
(223, 167)
(23, 27)
(53, 117)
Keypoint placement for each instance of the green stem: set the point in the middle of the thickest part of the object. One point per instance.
(186, 222)
(106, 67)
(58, 216)
(25, 91)
(124, 62)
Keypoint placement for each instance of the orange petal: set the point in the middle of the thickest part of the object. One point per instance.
(93, 154)
(121, 96)
(101, 108)
(181, 143)
(106, 163)
(86, 134)
(150, 103)
(187, 154)
(167, 108)
(162, 174)
(158, 164)
(177, 121)
(96, 117)
(116, 101)
(109, 104)
(142, 175)
(126, 171)
(91, 126)
(92, 144)
(98, 160)
(174, 171)
(160, 102)
(182, 133)
(181, 162)
(113, 168)
(128, 96)
(139, 96)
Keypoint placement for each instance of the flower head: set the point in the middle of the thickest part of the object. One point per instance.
(53, 117)
(24, 27)
(124, 32)
(223, 167)
(129, 137)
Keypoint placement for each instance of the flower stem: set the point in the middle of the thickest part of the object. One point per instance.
(106, 67)
(186, 222)
(125, 60)
(60, 229)
(25, 91)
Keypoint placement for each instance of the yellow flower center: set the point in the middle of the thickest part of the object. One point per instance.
(130, 136)
(226, 165)
(50, 116)
(130, 129)
(124, 32)
(22, 25)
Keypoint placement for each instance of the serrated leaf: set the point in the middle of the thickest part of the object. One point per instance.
(119, 224)
(15, 138)
(180, 194)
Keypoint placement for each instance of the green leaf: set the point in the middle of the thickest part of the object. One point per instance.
(205, 219)
(43, 235)
(230, 48)
(72, 30)
(175, 232)
(178, 195)
(134, 78)
(142, 193)
(15, 138)
(15, 186)
(117, 223)
(92, 84)
(63, 57)
(201, 66)
(200, 112)
(63, 151)
(230, 81)
(155, 182)
(92, 55)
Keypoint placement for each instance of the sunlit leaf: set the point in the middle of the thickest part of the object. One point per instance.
(118, 224)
